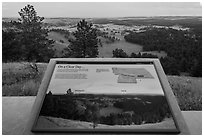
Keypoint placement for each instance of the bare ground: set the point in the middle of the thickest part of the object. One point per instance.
(52, 122)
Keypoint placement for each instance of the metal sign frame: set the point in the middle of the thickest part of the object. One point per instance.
(172, 102)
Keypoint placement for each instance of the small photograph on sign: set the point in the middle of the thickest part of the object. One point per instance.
(92, 96)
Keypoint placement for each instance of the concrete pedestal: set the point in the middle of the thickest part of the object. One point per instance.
(16, 112)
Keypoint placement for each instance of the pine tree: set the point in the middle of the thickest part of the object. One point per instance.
(10, 46)
(33, 38)
(85, 44)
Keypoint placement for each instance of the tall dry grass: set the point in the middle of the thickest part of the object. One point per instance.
(27, 88)
(188, 91)
(18, 79)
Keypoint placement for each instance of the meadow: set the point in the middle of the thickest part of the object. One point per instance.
(20, 79)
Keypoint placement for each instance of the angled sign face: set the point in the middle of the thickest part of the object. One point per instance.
(106, 96)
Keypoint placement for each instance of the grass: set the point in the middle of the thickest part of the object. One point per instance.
(188, 91)
(27, 88)
(20, 80)
(58, 45)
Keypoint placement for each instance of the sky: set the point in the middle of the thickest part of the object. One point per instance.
(105, 9)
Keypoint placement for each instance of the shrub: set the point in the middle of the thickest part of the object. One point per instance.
(119, 53)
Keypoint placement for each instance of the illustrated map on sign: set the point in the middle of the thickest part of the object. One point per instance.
(129, 75)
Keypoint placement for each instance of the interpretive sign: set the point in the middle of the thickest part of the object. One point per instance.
(106, 96)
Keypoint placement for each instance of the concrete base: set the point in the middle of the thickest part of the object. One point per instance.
(16, 112)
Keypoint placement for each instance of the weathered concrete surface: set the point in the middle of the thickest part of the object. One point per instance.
(193, 121)
(16, 112)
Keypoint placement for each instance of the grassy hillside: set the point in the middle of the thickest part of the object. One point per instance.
(19, 79)
(60, 42)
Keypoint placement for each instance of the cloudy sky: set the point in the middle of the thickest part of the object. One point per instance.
(105, 9)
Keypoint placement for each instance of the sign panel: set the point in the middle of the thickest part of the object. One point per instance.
(105, 97)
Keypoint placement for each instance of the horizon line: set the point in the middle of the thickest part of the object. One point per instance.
(122, 16)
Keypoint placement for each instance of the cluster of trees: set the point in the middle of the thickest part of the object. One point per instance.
(137, 119)
(10, 46)
(119, 119)
(134, 111)
(26, 39)
(120, 53)
(151, 113)
(168, 63)
(184, 48)
(143, 55)
(66, 106)
(58, 106)
(160, 21)
(111, 38)
(106, 35)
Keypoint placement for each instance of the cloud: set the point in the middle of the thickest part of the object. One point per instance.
(106, 9)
